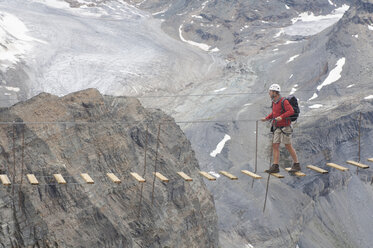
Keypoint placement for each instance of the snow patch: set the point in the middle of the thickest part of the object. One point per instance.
(244, 27)
(292, 58)
(287, 7)
(220, 146)
(202, 46)
(219, 90)
(204, 4)
(368, 97)
(107, 9)
(54, 4)
(315, 106)
(310, 17)
(307, 24)
(279, 33)
(294, 89)
(334, 74)
(14, 39)
(370, 27)
(290, 42)
(162, 11)
(197, 16)
(249, 246)
(351, 85)
(291, 76)
(15, 89)
(331, 3)
(214, 174)
(313, 97)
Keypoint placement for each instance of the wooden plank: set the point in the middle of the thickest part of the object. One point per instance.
(32, 179)
(59, 178)
(87, 178)
(185, 176)
(298, 173)
(139, 178)
(360, 165)
(370, 159)
(229, 175)
(251, 174)
(113, 178)
(338, 167)
(161, 177)
(277, 175)
(207, 175)
(317, 169)
(5, 180)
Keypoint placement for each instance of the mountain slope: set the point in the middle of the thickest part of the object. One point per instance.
(318, 50)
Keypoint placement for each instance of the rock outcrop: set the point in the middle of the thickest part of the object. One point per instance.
(96, 134)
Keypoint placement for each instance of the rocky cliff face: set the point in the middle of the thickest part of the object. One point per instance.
(340, 200)
(110, 138)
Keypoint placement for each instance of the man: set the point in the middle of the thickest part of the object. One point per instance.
(281, 127)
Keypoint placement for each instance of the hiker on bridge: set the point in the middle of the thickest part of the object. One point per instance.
(281, 128)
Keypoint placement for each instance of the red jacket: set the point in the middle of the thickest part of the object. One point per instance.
(277, 111)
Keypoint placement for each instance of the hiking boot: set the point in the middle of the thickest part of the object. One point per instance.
(274, 169)
(295, 167)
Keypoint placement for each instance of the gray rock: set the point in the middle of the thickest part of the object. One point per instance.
(100, 134)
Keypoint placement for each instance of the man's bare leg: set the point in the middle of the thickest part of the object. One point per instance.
(276, 156)
(276, 153)
(292, 152)
(296, 166)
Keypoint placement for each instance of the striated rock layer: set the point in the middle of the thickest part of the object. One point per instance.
(99, 134)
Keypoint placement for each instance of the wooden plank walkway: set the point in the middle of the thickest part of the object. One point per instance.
(113, 178)
(87, 178)
(229, 175)
(32, 179)
(336, 166)
(207, 175)
(278, 175)
(161, 177)
(59, 178)
(251, 174)
(185, 176)
(139, 178)
(298, 173)
(5, 180)
(317, 169)
(360, 165)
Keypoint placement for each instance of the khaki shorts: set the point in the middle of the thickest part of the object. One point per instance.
(283, 136)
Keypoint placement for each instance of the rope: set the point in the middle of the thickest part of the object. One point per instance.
(206, 94)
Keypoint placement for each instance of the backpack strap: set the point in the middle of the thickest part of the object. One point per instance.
(282, 104)
(283, 107)
(287, 134)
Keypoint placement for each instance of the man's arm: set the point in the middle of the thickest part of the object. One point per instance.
(289, 111)
(270, 116)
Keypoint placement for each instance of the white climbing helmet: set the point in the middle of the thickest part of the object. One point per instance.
(275, 87)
